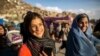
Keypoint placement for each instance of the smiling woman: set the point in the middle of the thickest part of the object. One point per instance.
(36, 37)
(81, 41)
(83, 22)
(37, 27)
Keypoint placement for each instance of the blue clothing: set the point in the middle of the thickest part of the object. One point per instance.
(79, 43)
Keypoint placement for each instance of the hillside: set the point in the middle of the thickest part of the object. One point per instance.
(16, 8)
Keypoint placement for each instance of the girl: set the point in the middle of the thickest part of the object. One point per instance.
(80, 41)
(36, 38)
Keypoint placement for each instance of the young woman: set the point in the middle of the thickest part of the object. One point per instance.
(36, 38)
(80, 41)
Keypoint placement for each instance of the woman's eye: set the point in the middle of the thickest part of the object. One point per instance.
(40, 24)
(33, 26)
(86, 22)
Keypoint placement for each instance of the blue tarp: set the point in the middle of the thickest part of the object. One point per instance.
(1, 21)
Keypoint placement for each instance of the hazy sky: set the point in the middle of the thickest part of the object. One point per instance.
(91, 7)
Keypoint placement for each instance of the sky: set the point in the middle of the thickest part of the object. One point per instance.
(91, 7)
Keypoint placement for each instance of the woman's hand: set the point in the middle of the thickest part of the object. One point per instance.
(43, 54)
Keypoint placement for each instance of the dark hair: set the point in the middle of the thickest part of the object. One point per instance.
(4, 29)
(80, 16)
(29, 17)
(27, 22)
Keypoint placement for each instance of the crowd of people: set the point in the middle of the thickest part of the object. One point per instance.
(35, 39)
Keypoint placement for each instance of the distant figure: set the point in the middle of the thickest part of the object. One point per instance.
(10, 26)
(51, 27)
(64, 33)
(81, 41)
(57, 31)
(5, 50)
(37, 41)
(97, 29)
(52, 31)
(3, 40)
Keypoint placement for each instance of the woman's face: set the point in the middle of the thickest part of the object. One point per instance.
(1, 30)
(37, 27)
(83, 24)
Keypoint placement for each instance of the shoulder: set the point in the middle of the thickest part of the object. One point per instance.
(24, 51)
